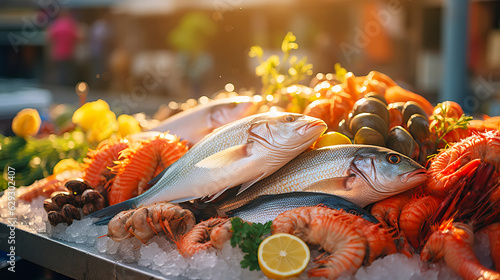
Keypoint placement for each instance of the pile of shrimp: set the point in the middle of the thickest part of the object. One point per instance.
(140, 163)
(95, 170)
(462, 196)
(349, 241)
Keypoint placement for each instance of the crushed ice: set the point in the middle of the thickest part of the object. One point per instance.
(161, 255)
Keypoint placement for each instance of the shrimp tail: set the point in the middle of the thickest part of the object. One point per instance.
(106, 214)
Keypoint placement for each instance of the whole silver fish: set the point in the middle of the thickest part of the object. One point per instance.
(241, 152)
(362, 174)
(268, 207)
(195, 123)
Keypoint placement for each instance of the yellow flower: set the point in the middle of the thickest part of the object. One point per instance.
(26, 123)
(66, 164)
(90, 113)
(127, 125)
(96, 119)
(103, 127)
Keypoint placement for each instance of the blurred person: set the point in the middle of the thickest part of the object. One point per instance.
(63, 37)
(100, 43)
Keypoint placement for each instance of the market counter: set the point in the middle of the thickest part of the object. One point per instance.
(77, 261)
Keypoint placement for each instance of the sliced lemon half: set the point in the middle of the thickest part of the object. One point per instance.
(331, 138)
(283, 256)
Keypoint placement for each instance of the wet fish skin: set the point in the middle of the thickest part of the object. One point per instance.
(197, 122)
(241, 152)
(268, 207)
(342, 170)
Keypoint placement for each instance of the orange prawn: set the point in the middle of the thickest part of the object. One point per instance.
(98, 162)
(494, 237)
(46, 186)
(387, 211)
(140, 164)
(453, 243)
(146, 222)
(201, 235)
(351, 240)
(461, 159)
(414, 215)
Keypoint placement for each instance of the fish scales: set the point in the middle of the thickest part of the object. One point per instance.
(227, 136)
(329, 164)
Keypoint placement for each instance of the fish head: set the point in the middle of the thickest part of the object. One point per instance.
(286, 131)
(232, 109)
(387, 171)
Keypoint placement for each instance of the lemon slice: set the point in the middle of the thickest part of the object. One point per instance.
(331, 138)
(283, 255)
(66, 164)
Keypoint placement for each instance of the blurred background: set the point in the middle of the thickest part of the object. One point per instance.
(138, 54)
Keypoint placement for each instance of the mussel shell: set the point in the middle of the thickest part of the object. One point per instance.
(344, 129)
(61, 198)
(49, 205)
(377, 96)
(369, 120)
(70, 212)
(418, 126)
(369, 136)
(78, 201)
(397, 105)
(91, 196)
(371, 105)
(77, 186)
(412, 108)
(55, 218)
(88, 209)
(401, 141)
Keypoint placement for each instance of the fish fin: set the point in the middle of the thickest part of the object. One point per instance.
(247, 185)
(215, 196)
(106, 214)
(327, 185)
(155, 180)
(184, 199)
(225, 157)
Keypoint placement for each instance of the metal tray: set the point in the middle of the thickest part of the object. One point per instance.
(74, 260)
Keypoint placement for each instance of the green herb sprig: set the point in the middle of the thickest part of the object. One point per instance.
(248, 237)
(446, 124)
(272, 71)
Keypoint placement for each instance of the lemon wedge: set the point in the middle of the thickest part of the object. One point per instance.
(332, 138)
(283, 256)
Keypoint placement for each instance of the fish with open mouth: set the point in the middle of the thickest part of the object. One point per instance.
(362, 174)
(242, 152)
(197, 122)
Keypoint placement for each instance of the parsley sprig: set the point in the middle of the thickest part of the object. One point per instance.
(248, 237)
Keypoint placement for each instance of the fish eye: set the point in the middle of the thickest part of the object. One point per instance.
(289, 118)
(393, 158)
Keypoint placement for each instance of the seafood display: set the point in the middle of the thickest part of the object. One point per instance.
(204, 119)
(241, 152)
(421, 182)
(362, 174)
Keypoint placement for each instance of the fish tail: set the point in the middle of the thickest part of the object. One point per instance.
(106, 214)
